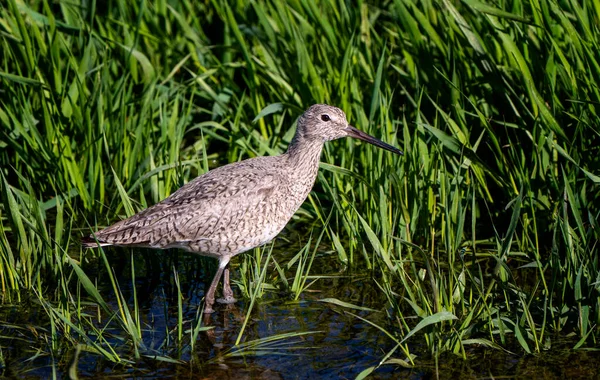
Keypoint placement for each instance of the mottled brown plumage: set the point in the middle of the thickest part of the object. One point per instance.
(239, 206)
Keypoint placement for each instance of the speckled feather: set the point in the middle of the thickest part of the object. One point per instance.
(226, 211)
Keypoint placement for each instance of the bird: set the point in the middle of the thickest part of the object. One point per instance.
(236, 207)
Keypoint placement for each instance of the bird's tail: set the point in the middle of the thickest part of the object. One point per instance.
(92, 242)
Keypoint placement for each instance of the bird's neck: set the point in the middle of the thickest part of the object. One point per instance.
(303, 155)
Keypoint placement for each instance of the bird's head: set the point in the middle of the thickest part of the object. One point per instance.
(326, 123)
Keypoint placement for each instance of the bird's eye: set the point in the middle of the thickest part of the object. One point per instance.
(325, 117)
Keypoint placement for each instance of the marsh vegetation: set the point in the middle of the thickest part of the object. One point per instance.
(482, 237)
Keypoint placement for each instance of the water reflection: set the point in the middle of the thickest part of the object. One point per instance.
(335, 344)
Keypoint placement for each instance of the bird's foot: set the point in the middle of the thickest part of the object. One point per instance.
(227, 299)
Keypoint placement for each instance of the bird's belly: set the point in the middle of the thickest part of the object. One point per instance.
(234, 241)
(245, 228)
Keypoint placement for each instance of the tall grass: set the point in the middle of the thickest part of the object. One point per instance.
(486, 229)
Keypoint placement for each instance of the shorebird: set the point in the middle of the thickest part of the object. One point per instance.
(236, 207)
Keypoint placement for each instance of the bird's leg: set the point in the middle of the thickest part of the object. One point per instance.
(209, 297)
(227, 292)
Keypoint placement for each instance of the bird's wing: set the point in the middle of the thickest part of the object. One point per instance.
(216, 200)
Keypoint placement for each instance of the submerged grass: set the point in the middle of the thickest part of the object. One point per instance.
(486, 230)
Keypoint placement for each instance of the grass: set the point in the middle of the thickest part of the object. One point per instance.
(486, 230)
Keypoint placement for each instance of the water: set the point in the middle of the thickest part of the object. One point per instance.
(336, 344)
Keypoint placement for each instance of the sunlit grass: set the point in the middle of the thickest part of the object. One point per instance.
(484, 233)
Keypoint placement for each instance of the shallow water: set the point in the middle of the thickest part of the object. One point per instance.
(336, 344)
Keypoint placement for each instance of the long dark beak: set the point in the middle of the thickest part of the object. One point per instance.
(357, 133)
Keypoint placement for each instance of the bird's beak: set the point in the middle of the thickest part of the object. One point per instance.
(357, 133)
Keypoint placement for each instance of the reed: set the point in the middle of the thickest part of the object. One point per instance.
(486, 230)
